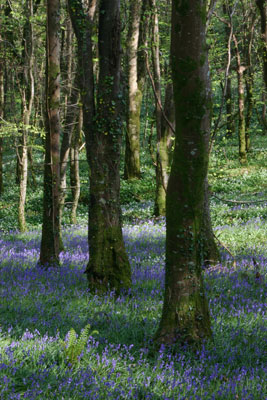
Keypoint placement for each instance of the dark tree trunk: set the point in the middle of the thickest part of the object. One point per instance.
(185, 316)
(49, 254)
(108, 266)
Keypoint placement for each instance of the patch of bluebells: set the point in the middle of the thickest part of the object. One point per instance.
(38, 308)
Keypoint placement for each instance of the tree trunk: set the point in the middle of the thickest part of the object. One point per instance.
(108, 266)
(49, 254)
(249, 34)
(241, 105)
(164, 145)
(74, 169)
(160, 199)
(70, 121)
(2, 99)
(132, 150)
(263, 13)
(185, 316)
(27, 92)
(230, 125)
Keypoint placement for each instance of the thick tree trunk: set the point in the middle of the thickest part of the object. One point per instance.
(132, 150)
(49, 254)
(185, 316)
(108, 266)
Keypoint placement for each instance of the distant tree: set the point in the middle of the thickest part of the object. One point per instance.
(185, 316)
(49, 254)
(108, 266)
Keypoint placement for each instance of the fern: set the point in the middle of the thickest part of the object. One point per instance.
(75, 345)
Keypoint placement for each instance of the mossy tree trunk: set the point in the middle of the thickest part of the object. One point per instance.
(164, 150)
(132, 150)
(49, 254)
(108, 266)
(185, 315)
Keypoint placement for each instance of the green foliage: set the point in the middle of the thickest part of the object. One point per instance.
(75, 345)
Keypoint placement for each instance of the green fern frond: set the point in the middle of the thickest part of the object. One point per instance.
(75, 345)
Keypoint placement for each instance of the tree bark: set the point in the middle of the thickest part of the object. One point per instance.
(72, 110)
(108, 266)
(27, 96)
(132, 150)
(263, 13)
(49, 254)
(74, 168)
(185, 316)
(164, 147)
(2, 99)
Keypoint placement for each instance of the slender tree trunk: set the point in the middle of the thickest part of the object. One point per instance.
(241, 105)
(164, 145)
(74, 169)
(249, 81)
(132, 150)
(185, 316)
(263, 13)
(230, 125)
(70, 122)
(249, 92)
(27, 92)
(160, 199)
(49, 254)
(2, 99)
(108, 266)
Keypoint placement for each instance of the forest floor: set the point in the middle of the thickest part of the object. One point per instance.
(39, 355)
